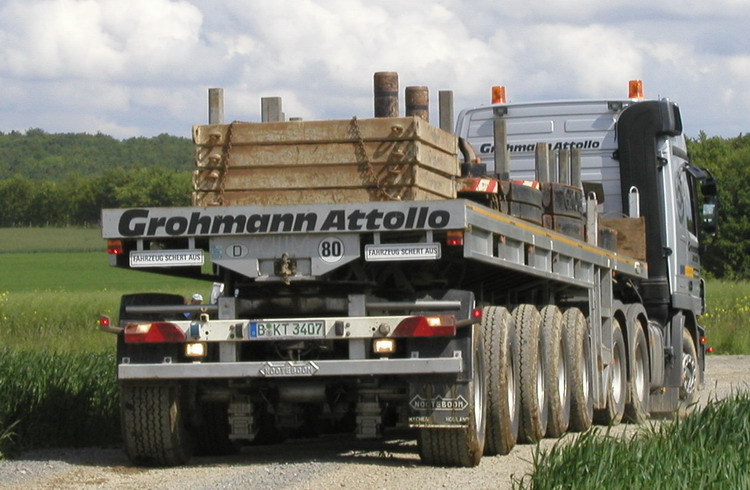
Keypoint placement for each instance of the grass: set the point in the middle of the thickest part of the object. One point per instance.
(57, 370)
(727, 319)
(27, 240)
(707, 449)
(50, 399)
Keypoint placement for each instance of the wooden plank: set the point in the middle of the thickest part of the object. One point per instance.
(309, 177)
(335, 131)
(332, 154)
(281, 197)
(631, 235)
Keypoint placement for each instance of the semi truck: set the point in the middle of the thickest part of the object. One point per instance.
(531, 271)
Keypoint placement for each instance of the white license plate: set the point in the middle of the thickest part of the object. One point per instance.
(286, 330)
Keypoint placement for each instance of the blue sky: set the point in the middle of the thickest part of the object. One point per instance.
(143, 67)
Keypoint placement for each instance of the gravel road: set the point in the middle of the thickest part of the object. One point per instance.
(324, 463)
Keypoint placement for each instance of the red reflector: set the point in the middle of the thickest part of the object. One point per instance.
(454, 238)
(153, 333)
(114, 247)
(104, 321)
(426, 326)
(476, 313)
(710, 350)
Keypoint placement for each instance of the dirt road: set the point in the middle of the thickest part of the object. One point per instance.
(329, 462)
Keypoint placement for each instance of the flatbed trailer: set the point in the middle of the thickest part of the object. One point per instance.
(463, 320)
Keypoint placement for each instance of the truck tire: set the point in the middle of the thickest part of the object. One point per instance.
(152, 425)
(689, 375)
(503, 395)
(577, 332)
(637, 406)
(461, 446)
(617, 387)
(534, 408)
(212, 434)
(556, 371)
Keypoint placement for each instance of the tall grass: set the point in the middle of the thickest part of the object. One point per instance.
(727, 319)
(707, 449)
(57, 321)
(52, 399)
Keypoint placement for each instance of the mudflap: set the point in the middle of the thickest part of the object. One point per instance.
(438, 404)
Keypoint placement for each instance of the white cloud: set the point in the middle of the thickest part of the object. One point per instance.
(143, 66)
(99, 40)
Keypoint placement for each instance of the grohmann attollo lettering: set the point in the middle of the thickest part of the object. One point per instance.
(141, 222)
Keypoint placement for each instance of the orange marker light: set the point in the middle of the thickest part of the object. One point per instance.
(498, 95)
(635, 89)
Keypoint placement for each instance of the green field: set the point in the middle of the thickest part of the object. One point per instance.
(27, 240)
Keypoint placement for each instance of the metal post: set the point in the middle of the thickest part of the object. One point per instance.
(541, 161)
(445, 104)
(502, 156)
(216, 106)
(564, 167)
(386, 94)
(575, 167)
(270, 109)
(418, 102)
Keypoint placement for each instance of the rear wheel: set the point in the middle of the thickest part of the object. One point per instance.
(503, 403)
(637, 406)
(556, 371)
(689, 374)
(534, 409)
(576, 330)
(461, 446)
(152, 424)
(617, 377)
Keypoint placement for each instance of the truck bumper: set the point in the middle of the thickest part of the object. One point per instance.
(288, 369)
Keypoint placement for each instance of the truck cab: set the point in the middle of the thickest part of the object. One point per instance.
(633, 156)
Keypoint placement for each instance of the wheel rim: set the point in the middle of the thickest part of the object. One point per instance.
(640, 373)
(511, 383)
(562, 375)
(617, 377)
(586, 367)
(540, 388)
(479, 389)
(688, 374)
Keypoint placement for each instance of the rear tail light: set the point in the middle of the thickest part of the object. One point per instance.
(454, 238)
(155, 332)
(114, 247)
(426, 326)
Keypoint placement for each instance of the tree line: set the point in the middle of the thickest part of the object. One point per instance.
(66, 179)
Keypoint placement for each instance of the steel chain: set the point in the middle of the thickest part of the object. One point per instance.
(362, 158)
(225, 164)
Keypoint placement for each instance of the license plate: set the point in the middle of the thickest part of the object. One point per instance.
(286, 330)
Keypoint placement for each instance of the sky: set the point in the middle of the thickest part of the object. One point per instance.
(131, 68)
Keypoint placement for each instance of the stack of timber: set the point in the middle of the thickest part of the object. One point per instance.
(316, 162)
